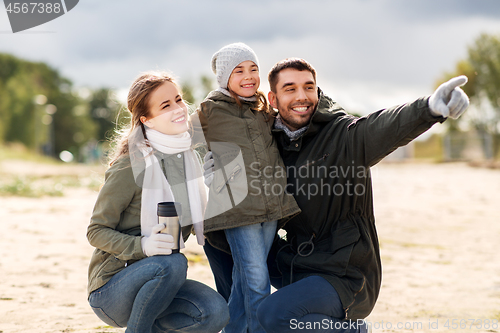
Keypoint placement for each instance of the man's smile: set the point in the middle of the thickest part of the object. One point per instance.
(302, 108)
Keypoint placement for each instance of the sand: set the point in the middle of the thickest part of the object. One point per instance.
(438, 225)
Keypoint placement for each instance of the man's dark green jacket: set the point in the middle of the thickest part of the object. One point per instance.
(328, 171)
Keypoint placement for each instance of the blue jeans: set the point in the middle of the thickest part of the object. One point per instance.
(249, 247)
(153, 295)
(308, 305)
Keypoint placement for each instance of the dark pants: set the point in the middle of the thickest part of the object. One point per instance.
(221, 264)
(309, 303)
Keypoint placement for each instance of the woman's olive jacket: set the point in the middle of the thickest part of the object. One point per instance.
(115, 225)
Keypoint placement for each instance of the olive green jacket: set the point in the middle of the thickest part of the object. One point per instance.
(250, 178)
(329, 175)
(115, 225)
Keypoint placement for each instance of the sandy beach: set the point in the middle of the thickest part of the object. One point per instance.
(438, 225)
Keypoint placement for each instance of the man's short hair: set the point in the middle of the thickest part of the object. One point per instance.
(295, 63)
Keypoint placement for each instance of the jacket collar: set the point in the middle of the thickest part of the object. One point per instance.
(217, 95)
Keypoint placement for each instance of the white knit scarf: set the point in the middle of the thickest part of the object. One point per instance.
(155, 186)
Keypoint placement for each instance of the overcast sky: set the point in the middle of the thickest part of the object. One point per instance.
(369, 54)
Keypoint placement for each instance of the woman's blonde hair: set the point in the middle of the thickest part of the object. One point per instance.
(138, 106)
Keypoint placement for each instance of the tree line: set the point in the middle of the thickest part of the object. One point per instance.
(45, 112)
(42, 110)
(482, 67)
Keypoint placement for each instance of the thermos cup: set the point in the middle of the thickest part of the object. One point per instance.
(168, 213)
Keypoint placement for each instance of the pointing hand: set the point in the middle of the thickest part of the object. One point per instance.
(449, 100)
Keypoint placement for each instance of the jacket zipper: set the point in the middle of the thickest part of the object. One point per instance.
(354, 300)
(242, 112)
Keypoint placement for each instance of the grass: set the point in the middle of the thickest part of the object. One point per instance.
(430, 149)
(59, 177)
(17, 151)
(196, 259)
(36, 187)
(25, 187)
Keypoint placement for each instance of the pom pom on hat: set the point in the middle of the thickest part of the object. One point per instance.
(227, 58)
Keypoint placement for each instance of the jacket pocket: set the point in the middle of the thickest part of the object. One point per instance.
(346, 234)
(344, 238)
(111, 266)
(222, 181)
(332, 255)
(230, 186)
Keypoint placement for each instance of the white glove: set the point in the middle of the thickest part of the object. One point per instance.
(449, 100)
(208, 168)
(157, 243)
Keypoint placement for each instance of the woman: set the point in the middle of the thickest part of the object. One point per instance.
(134, 278)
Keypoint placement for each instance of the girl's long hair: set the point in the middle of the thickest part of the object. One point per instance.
(138, 106)
(261, 105)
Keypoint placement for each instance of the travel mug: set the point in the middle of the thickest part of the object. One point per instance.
(168, 213)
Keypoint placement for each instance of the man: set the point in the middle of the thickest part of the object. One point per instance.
(328, 266)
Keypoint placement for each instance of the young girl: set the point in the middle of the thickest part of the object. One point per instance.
(247, 195)
(134, 278)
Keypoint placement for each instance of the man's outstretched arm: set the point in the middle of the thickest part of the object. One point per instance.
(378, 134)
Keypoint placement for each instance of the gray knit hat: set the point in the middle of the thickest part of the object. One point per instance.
(227, 58)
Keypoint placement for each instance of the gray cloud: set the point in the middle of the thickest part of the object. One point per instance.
(391, 45)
